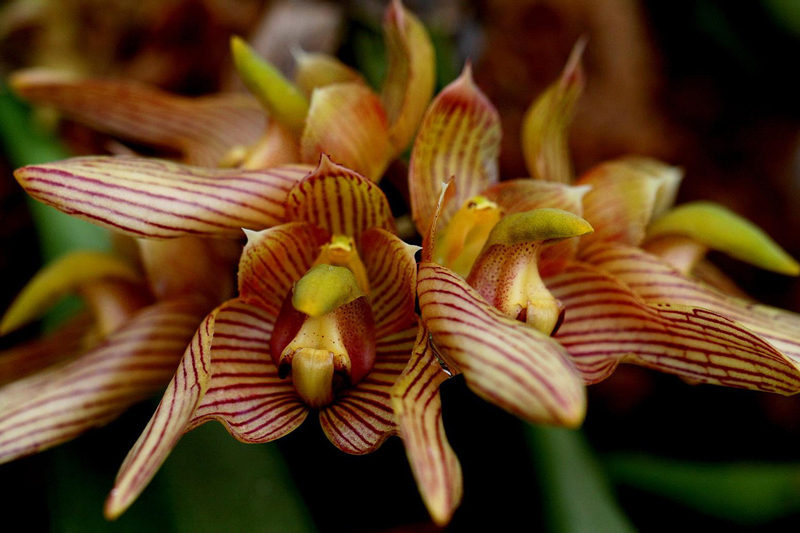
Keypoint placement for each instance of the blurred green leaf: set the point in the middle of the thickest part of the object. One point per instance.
(577, 495)
(219, 484)
(25, 144)
(748, 493)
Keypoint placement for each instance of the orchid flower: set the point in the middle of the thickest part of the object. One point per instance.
(324, 320)
(544, 282)
(329, 109)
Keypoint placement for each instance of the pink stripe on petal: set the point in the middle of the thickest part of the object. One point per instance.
(392, 273)
(203, 129)
(169, 422)
(606, 323)
(459, 136)
(53, 406)
(418, 412)
(339, 200)
(245, 393)
(505, 361)
(159, 199)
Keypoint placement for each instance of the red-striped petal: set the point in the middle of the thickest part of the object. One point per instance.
(655, 281)
(65, 342)
(339, 200)
(505, 361)
(59, 404)
(459, 136)
(361, 418)
(245, 393)
(418, 413)
(274, 259)
(392, 273)
(347, 122)
(203, 129)
(168, 423)
(606, 323)
(158, 199)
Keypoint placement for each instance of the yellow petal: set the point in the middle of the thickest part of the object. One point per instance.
(545, 127)
(202, 129)
(347, 122)
(460, 136)
(411, 78)
(723, 230)
(281, 98)
(60, 278)
(315, 69)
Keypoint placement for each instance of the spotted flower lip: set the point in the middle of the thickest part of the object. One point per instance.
(228, 374)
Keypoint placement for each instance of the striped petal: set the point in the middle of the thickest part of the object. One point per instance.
(545, 128)
(361, 418)
(411, 78)
(392, 273)
(459, 136)
(606, 323)
(339, 200)
(517, 196)
(723, 230)
(64, 276)
(656, 282)
(504, 361)
(30, 357)
(418, 413)
(274, 259)
(168, 423)
(626, 195)
(245, 393)
(203, 129)
(157, 199)
(347, 122)
(315, 69)
(59, 404)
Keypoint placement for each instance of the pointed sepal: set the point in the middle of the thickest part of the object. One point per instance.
(411, 78)
(418, 413)
(340, 201)
(459, 136)
(157, 199)
(545, 128)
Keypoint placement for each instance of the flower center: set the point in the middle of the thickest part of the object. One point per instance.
(324, 336)
(459, 243)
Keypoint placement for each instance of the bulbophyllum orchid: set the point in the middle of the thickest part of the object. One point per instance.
(328, 109)
(324, 320)
(512, 275)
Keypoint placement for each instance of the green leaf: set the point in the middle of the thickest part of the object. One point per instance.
(748, 493)
(25, 144)
(220, 484)
(577, 495)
